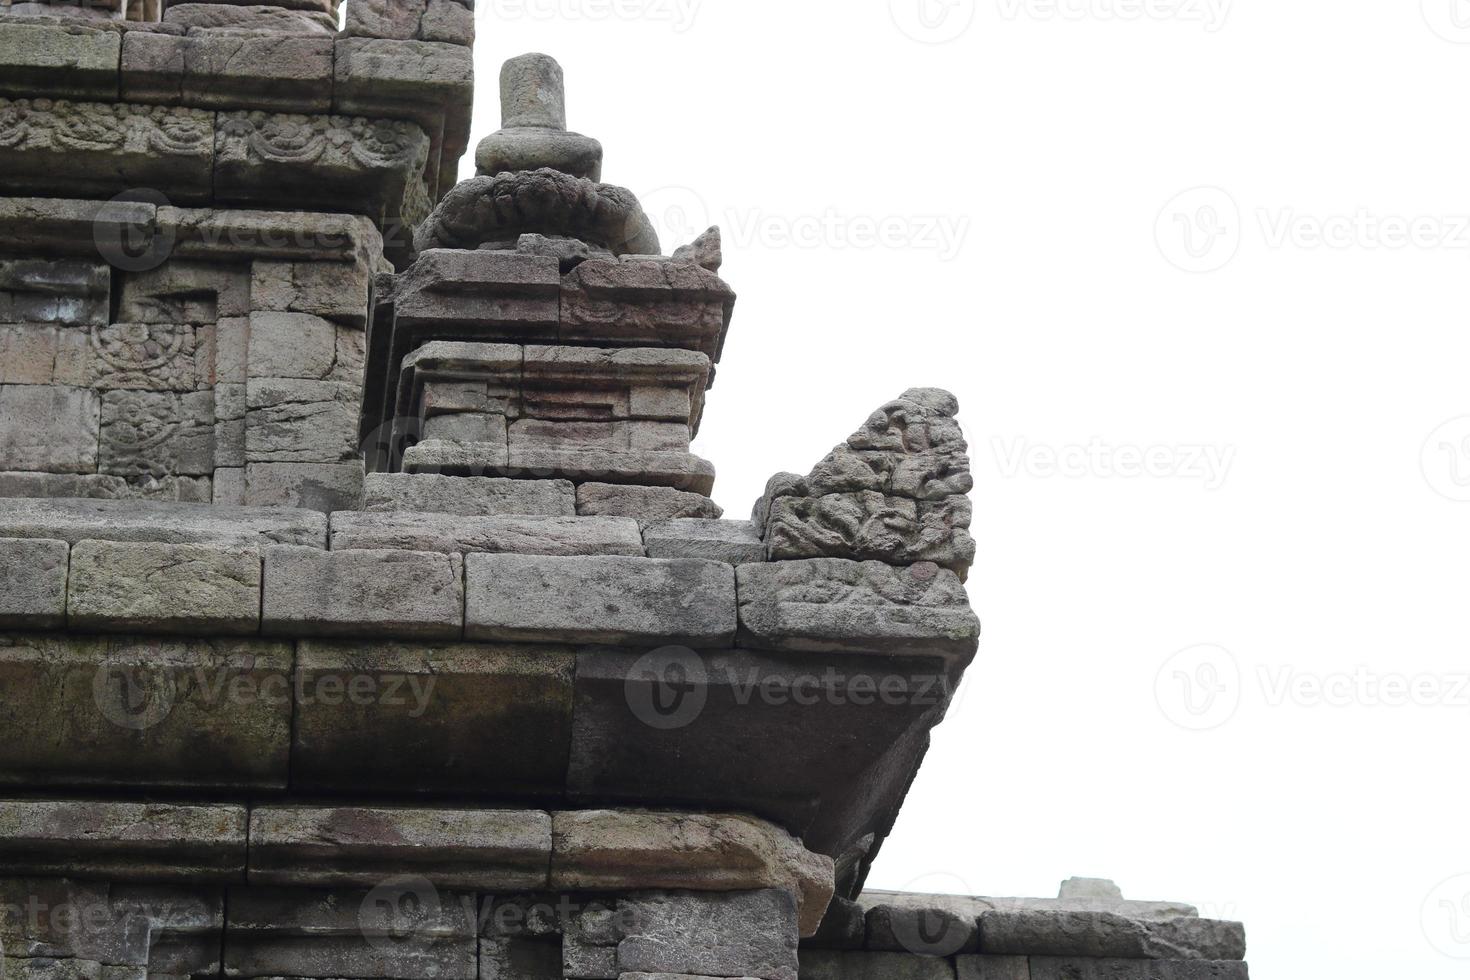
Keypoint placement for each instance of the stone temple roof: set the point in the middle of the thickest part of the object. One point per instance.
(364, 609)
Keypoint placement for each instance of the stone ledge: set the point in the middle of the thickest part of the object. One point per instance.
(455, 534)
(405, 594)
(128, 841)
(160, 523)
(598, 600)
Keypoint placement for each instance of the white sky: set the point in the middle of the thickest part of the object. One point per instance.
(1045, 146)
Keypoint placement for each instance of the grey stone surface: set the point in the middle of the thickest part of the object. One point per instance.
(446, 533)
(681, 471)
(448, 21)
(731, 542)
(533, 130)
(521, 959)
(1051, 968)
(822, 964)
(872, 526)
(992, 968)
(137, 520)
(144, 713)
(291, 420)
(921, 931)
(468, 496)
(645, 303)
(731, 935)
(461, 720)
(975, 906)
(314, 486)
(363, 593)
(598, 599)
(50, 429)
(345, 846)
(205, 16)
(829, 604)
(844, 926)
(402, 929)
(613, 850)
(59, 61)
(66, 292)
(32, 583)
(1107, 934)
(644, 503)
(121, 586)
(229, 69)
(1099, 889)
(110, 839)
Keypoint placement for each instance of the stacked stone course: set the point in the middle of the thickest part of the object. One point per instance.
(364, 609)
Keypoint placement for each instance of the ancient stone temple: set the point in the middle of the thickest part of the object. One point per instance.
(364, 611)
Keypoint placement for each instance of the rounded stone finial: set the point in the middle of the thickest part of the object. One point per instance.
(533, 93)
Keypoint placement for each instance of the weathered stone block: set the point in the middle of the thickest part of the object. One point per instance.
(844, 926)
(465, 720)
(63, 61)
(145, 713)
(357, 593)
(405, 930)
(397, 19)
(448, 21)
(466, 427)
(921, 931)
(300, 421)
(230, 69)
(869, 526)
(450, 534)
(521, 959)
(32, 583)
(169, 588)
(334, 290)
(290, 345)
(376, 74)
(682, 471)
(730, 935)
(468, 496)
(1108, 935)
(53, 430)
(1051, 968)
(613, 850)
(822, 964)
(992, 968)
(644, 503)
(146, 521)
(126, 146)
(27, 354)
(731, 542)
(205, 16)
(828, 604)
(345, 846)
(157, 434)
(107, 839)
(598, 599)
(316, 486)
(67, 292)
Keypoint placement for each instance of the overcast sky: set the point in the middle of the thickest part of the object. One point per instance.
(1198, 273)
